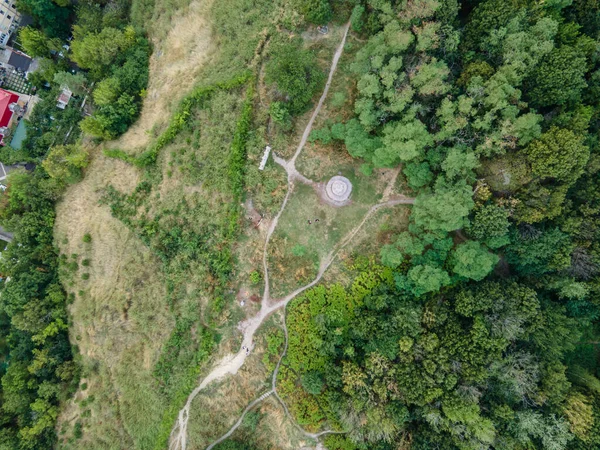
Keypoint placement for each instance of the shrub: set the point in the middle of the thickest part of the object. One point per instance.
(255, 277)
(78, 430)
(296, 74)
(312, 382)
(87, 238)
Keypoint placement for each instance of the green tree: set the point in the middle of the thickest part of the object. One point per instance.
(430, 78)
(490, 224)
(535, 252)
(459, 163)
(559, 154)
(475, 69)
(316, 11)
(559, 78)
(312, 382)
(580, 414)
(403, 141)
(471, 260)
(422, 279)
(445, 210)
(51, 18)
(99, 51)
(357, 19)
(107, 91)
(74, 82)
(65, 162)
(418, 175)
(359, 143)
(295, 74)
(36, 44)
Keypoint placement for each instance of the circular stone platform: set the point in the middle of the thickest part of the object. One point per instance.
(339, 189)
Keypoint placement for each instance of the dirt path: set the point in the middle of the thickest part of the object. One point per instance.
(390, 187)
(250, 326)
(230, 364)
(336, 58)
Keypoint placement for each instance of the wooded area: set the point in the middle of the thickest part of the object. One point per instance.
(475, 335)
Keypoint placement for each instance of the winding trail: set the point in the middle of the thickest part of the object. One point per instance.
(231, 363)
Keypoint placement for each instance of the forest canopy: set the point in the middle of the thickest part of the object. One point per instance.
(479, 327)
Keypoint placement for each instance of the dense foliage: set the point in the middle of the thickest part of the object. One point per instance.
(474, 333)
(40, 371)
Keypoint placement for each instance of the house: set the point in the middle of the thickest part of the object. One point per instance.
(63, 98)
(12, 59)
(9, 20)
(19, 60)
(8, 106)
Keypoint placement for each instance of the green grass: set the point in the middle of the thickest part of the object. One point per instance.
(289, 268)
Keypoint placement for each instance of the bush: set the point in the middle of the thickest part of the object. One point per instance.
(295, 73)
(85, 276)
(78, 430)
(312, 382)
(255, 277)
(87, 238)
(316, 11)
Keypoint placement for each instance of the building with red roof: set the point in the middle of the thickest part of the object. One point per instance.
(8, 101)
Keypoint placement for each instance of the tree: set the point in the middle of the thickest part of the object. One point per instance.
(312, 382)
(559, 154)
(356, 18)
(74, 82)
(422, 279)
(559, 78)
(107, 91)
(471, 260)
(51, 18)
(475, 69)
(580, 414)
(417, 174)
(535, 252)
(459, 163)
(96, 126)
(99, 51)
(36, 44)
(404, 141)
(65, 162)
(295, 74)
(445, 210)
(316, 11)
(490, 224)
(430, 78)
(358, 142)
(391, 256)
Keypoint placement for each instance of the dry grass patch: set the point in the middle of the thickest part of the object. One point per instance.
(119, 313)
(219, 406)
(175, 64)
(275, 430)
